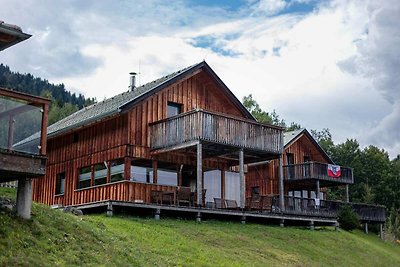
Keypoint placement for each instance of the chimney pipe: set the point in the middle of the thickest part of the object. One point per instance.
(132, 80)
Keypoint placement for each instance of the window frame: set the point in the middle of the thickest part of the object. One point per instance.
(60, 184)
(178, 106)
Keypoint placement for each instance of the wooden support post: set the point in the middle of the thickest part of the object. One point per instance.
(180, 168)
(24, 198)
(281, 188)
(282, 223)
(157, 214)
(366, 228)
(318, 190)
(243, 219)
(223, 184)
(199, 176)
(11, 123)
(154, 163)
(242, 180)
(311, 225)
(347, 194)
(336, 226)
(381, 231)
(127, 169)
(109, 210)
(198, 217)
(43, 130)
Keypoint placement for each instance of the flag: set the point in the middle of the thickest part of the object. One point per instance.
(334, 171)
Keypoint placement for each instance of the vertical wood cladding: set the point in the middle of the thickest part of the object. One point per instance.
(265, 176)
(126, 135)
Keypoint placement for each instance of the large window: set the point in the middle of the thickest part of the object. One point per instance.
(173, 109)
(141, 174)
(84, 177)
(117, 170)
(212, 183)
(60, 183)
(232, 186)
(167, 177)
(100, 173)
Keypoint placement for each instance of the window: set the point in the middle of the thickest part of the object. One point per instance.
(100, 173)
(141, 174)
(255, 193)
(117, 170)
(84, 177)
(60, 183)
(173, 109)
(167, 177)
(290, 161)
(212, 183)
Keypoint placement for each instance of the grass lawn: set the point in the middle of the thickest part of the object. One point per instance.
(55, 238)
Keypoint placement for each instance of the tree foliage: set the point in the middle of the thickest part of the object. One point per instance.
(63, 102)
(347, 218)
(266, 117)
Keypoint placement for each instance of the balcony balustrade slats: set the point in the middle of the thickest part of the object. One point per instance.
(315, 170)
(327, 208)
(215, 128)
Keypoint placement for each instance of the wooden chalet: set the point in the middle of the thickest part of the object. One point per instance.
(181, 143)
(306, 177)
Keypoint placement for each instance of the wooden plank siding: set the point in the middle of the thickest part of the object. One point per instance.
(265, 176)
(127, 136)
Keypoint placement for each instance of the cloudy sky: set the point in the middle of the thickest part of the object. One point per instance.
(323, 64)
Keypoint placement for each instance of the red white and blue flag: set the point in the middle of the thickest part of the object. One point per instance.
(334, 171)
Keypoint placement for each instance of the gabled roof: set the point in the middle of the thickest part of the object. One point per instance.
(11, 35)
(290, 137)
(126, 100)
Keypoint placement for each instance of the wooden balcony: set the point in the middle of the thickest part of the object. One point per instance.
(307, 173)
(219, 134)
(309, 207)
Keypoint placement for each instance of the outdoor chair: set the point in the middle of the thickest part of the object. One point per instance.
(184, 196)
(219, 203)
(231, 204)
(155, 197)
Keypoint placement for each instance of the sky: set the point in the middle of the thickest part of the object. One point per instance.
(322, 64)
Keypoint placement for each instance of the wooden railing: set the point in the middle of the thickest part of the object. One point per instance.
(217, 128)
(326, 208)
(316, 170)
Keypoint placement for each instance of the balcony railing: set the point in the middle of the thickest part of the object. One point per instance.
(315, 170)
(215, 128)
(326, 208)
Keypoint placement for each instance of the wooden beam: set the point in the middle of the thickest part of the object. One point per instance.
(281, 187)
(242, 180)
(199, 176)
(43, 132)
(11, 123)
(155, 170)
(35, 100)
(223, 184)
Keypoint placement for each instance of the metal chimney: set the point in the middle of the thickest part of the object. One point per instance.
(132, 80)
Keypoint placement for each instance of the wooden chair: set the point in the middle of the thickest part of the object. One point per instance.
(155, 196)
(231, 204)
(219, 203)
(184, 196)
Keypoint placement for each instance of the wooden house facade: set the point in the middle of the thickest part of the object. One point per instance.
(184, 130)
(185, 142)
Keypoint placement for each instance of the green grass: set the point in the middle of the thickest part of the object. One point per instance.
(54, 238)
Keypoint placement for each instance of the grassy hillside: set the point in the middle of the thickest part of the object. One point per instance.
(55, 238)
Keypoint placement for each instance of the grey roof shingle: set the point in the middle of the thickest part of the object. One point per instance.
(104, 108)
(289, 136)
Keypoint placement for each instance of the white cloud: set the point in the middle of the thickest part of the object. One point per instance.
(335, 67)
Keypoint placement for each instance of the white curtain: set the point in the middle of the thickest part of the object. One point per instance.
(232, 186)
(212, 182)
